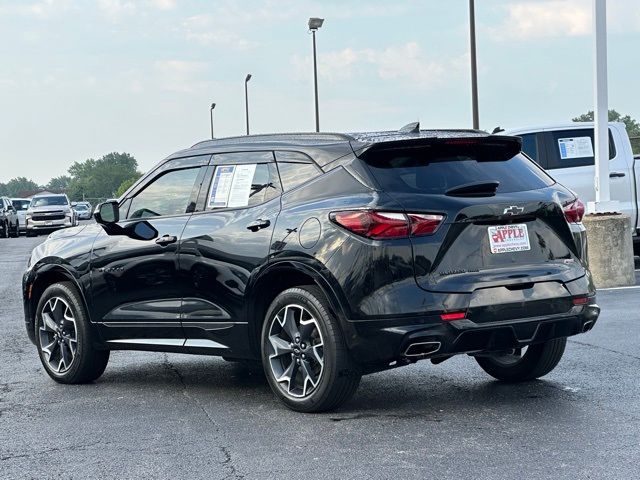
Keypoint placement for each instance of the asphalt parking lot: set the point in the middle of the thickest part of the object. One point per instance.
(154, 415)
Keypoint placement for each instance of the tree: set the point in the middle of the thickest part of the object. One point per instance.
(19, 186)
(124, 186)
(101, 178)
(60, 183)
(633, 127)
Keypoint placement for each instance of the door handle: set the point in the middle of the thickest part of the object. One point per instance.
(616, 174)
(258, 224)
(166, 240)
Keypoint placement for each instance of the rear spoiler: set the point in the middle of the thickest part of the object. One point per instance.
(498, 147)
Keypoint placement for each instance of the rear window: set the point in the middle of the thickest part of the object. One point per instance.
(435, 171)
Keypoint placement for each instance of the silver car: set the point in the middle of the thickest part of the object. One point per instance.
(49, 212)
(21, 205)
(83, 212)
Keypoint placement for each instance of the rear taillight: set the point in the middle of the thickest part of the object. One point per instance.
(387, 225)
(574, 211)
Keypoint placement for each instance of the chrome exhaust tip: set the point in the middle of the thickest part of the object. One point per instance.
(586, 326)
(422, 349)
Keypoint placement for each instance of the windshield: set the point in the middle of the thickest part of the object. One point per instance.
(47, 201)
(81, 207)
(20, 204)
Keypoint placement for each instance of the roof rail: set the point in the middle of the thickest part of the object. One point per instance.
(284, 137)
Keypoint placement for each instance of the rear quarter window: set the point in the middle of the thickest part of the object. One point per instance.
(574, 148)
(435, 172)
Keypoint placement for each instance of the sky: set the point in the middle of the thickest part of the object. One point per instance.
(79, 79)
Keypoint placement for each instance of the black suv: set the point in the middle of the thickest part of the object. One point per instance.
(324, 257)
(9, 223)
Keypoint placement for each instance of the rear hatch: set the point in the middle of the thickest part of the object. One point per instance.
(503, 223)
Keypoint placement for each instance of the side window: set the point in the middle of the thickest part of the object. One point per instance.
(168, 194)
(530, 145)
(243, 185)
(574, 148)
(295, 169)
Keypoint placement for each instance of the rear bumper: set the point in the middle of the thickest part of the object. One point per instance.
(386, 341)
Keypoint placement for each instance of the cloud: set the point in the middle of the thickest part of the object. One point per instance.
(41, 9)
(116, 8)
(162, 4)
(179, 75)
(544, 19)
(405, 64)
(206, 30)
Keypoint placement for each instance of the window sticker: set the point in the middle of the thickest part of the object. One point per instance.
(577, 147)
(231, 186)
(221, 186)
(241, 185)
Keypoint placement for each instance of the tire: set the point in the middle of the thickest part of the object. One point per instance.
(16, 231)
(4, 230)
(30, 233)
(536, 362)
(336, 375)
(86, 363)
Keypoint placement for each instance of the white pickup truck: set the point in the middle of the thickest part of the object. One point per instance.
(566, 151)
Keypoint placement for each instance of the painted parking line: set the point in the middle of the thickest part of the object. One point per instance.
(617, 288)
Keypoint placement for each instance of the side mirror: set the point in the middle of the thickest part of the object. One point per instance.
(107, 213)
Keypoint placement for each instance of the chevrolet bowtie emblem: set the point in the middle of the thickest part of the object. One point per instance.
(513, 210)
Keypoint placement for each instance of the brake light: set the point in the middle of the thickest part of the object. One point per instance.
(580, 300)
(574, 211)
(448, 317)
(387, 225)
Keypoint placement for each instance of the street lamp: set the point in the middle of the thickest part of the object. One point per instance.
(246, 99)
(314, 25)
(213, 105)
(474, 66)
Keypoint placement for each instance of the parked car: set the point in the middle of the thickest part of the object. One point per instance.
(9, 223)
(324, 257)
(49, 212)
(82, 211)
(566, 151)
(21, 205)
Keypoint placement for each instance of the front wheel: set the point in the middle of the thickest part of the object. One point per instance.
(4, 230)
(16, 232)
(304, 353)
(64, 339)
(520, 365)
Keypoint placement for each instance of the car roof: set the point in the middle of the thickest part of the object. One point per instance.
(322, 147)
(49, 195)
(555, 126)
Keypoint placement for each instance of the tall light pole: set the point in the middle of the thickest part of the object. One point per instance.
(213, 105)
(314, 25)
(603, 201)
(246, 99)
(474, 66)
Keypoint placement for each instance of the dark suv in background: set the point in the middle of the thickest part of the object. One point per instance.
(9, 223)
(324, 257)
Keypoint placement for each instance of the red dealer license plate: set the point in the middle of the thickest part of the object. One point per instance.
(509, 238)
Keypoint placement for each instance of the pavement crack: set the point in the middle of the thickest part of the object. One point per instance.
(227, 463)
(70, 448)
(605, 349)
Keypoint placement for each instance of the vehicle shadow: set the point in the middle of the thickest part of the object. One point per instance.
(417, 392)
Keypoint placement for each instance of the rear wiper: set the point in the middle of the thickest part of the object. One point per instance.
(474, 189)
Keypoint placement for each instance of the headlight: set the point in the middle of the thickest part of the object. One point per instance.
(27, 216)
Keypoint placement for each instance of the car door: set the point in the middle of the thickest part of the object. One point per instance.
(135, 292)
(571, 162)
(223, 245)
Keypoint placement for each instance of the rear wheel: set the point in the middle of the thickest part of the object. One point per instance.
(16, 231)
(64, 339)
(304, 354)
(525, 364)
